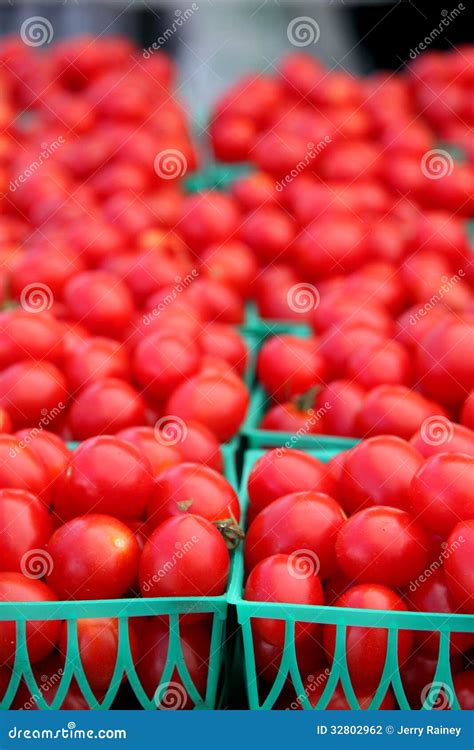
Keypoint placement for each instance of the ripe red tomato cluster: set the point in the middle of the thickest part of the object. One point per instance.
(121, 516)
(379, 527)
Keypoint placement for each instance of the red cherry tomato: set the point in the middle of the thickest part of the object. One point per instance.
(25, 529)
(31, 392)
(382, 545)
(378, 471)
(94, 359)
(269, 232)
(199, 445)
(195, 488)
(162, 361)
(459, 570)
(208, 218)
(218, 401)
(106, 406)
(305, 522)
(439, 435)
(93, 557)
(105, 475)
(222, 340)
(366, 648)
(159, 455)
(41, 636)
(100, 301)
(378, 364)
(441, 491)
(283, 471)
(153, 640)
(430, 593)
(21, 469)
(98, 648)
(339, 402)
(278, 578)
(25, 335)
(464, 688)
(445, 373)
(185, 556)
(49, 449)
(288, 366)
(292, 416)
(394, 410)
(232, 263)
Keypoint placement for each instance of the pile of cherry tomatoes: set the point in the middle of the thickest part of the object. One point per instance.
(121, 295)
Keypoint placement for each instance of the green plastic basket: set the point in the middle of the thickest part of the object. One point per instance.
(342, 618)
(263, 327)
(216, 176)
(123, 609)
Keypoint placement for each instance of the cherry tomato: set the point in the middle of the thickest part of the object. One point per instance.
(379, 364)
(288, 366)
(439, 435)
(394, 410)
(199, 445)
(185, 556)
(42, 635)
(366, 648)
(5, 422)
(25, 335)
(278, 579)
(441, 491)
(269, 232)
(305, 522)
(162, 361)
(222, 340)
(378, 471)
(331, 244)
(445, 373)
(464, 688)
(153, 640)
(21, 469)
(98, 649)
(382, 545)
(283, 471)
(93, 557)
(339, 402)
(337, 309)
(107, 405)
(105, 475)
(94, 359)
(32, 392)
(208, 218)
(339, 342)
(430, 593)
(100, 301)
(49, 449)
(195, 488)
(292, 416)
(159, 455)
(218, 401)
(25, 529)
(459, 571)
